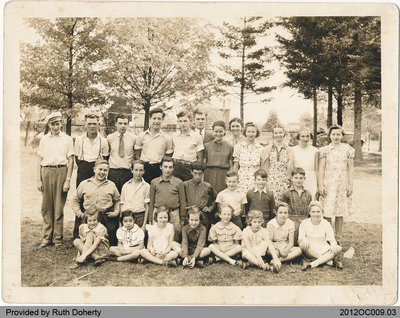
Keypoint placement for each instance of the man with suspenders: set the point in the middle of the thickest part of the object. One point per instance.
(88, 148)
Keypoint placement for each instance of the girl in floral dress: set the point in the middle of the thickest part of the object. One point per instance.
(336, 178)
(278, 162)
(247, 157)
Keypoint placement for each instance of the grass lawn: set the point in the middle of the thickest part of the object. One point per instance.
(49, 266)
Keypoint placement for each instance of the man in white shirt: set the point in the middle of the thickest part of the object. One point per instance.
(121, 144)
(56, 151)
(88, 148)
(152, 145)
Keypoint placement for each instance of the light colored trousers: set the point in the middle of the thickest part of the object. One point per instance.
(53, 201)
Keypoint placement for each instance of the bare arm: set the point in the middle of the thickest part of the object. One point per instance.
(67, 182)
(316, 166)
(39, 175)
(200, 155)
(321, 174)
(350, 173)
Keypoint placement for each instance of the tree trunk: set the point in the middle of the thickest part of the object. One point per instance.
(146, 108)
(329, 115)
(315, 116)
(242, 75)
(340, 110)
(357, 120)
(28, 126)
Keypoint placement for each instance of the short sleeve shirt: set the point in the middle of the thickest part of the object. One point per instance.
(233, 198)
(134, 196)
(186, 146)
(153, 147)
(91, 151)
(225, 234)
(255, 238)
(278, 233)
(322, 232)
(129, 142)
(55, 149)
(130, 238)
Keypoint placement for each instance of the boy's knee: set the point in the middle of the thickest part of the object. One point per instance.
(76, 242)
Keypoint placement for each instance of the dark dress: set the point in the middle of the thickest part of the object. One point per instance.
(217, 154)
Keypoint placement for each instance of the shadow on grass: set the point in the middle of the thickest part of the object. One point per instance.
(49, 266)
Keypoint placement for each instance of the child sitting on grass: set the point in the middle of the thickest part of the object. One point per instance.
(255, 242)
(281, 232)
(161, 235)
(130, 238)
(93, 240)
(192, 249)
(225, 237)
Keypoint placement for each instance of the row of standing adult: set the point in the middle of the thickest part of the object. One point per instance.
(239, 151)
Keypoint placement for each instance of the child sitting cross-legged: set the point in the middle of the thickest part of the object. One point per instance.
(161, 235)
(281, 232)
(225, 237)
(130, 238)
(194, 237)
(93, 240)
(255, 242)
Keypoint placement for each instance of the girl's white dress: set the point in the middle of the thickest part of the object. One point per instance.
(160, 236)
(318, 235)
(304, 158)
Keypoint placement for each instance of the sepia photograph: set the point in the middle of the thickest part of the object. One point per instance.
(200, 153)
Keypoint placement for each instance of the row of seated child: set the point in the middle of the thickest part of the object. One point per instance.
(227, 242)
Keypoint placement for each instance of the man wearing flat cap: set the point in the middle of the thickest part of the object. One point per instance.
(56, 151)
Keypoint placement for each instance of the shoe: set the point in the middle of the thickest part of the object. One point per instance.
(338, 264)
(266, 267)
(245, 265)
(239, 263)
(275, 269)
(200, 264)
(210, 260)
(43, 245)
(74, 266)
(179, 261)
(141, 260)
(99, 261)
(305, 266)
(170, 263)
(58, 245)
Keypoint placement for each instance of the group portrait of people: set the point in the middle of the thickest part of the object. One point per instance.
(196, 197)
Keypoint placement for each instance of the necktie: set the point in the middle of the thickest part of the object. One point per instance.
(201, 132)
(121, 148)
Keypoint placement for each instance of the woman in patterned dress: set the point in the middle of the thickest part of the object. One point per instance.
(336, 170)
(218, 156)
(306, 156)
(277, 160)
(247, 157)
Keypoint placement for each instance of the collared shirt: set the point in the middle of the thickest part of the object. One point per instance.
(255, 238)
(134, 196)
(261, 200)
(202, 194)
(298, 204)
(90, 151)
(55, 149)
(104, 196)
(233, 198)
(186, 146)
(100, 231)
(167, 192)
(130, 238)
(234, 141)
(280, 233)
(225, 234)
(129, 142)
(193, 240)
(153, 147)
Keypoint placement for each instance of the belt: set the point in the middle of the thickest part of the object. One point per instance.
(54, 166)
(141, 212)
(122, 169)
(185, 162)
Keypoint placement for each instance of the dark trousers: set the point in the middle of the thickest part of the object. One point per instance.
(112, 225)
(182, 171)
(237, 220)
(119, 177)
(151, 171)
(85, 171)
